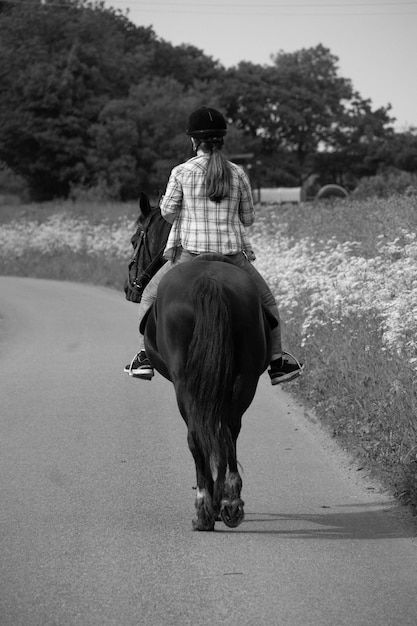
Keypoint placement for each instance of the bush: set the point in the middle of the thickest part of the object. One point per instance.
(386, 184)
(13, 188)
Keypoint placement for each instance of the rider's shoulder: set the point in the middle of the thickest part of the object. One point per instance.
(238, 169)
(189, 165)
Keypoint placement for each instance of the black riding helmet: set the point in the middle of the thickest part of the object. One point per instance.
(206, 122)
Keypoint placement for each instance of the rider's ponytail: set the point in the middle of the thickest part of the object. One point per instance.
(218, 170)
(207, 127)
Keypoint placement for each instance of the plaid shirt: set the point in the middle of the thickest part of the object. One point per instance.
(199, 224)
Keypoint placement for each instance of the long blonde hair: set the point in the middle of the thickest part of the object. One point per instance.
(218, 175)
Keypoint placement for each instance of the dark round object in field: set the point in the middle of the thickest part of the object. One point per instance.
(331, 191)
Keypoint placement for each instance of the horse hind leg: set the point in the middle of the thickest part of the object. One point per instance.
(231, 505)
(205, 517)
(218, 472)
(208, 501)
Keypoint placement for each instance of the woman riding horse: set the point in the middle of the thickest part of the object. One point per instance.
(209, 202)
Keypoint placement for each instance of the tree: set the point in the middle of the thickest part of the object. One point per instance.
(404, 150)
(291, 106)
(185, 64)
(68, 69)
(361, 143)
(143, 136)
(307, 119)
(89, 99)
(63, 63)
(312, 98)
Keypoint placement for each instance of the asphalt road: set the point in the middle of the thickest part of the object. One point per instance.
(96, 494)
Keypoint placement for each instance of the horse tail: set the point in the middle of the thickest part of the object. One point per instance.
(209, 373)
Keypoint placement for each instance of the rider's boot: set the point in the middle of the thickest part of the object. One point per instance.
(284, 369)
(140, 367)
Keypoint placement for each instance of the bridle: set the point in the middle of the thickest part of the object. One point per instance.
(141, 281)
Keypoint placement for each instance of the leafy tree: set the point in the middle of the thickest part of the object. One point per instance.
(67, 69)
(403, 148)
(143, 136)
(133, 132)
(184, 63)
(62, 64)
(89, 99)
(291, 107)
(361, 144)
(249, 98)
(363, 137)
(312, 100)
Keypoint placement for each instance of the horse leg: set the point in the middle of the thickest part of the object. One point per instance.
(219, 473)
(231, 506)
(204, 501)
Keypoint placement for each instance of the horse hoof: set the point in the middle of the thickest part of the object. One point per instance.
(232, 513)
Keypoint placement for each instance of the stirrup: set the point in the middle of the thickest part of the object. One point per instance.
(297, 362)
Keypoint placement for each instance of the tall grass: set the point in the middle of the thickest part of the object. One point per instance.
(67, 241)
(344, 275)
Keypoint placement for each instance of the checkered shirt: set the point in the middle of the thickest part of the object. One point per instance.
(199, 224)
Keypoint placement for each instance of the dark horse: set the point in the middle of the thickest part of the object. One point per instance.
(209, 334)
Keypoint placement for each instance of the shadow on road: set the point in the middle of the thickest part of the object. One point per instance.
(386, 522)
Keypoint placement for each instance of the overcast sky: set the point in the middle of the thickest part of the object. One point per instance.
(375, 41)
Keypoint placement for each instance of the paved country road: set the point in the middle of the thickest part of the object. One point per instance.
(96, 493)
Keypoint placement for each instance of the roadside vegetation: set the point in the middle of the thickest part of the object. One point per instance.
(344, 274)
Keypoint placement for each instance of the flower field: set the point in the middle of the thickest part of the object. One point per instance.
(62, 233)
(345, 279)
(88, 243)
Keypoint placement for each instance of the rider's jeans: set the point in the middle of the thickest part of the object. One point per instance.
(240, 259)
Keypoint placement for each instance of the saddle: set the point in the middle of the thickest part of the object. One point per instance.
(270, 319)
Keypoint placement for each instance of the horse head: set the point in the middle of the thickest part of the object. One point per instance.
(149, 243)
(151, 233)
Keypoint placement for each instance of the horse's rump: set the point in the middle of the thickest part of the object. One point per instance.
(208, 331)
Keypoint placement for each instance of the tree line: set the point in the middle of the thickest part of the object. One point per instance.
(90, 100)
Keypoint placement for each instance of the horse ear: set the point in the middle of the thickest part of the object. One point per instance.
(144, 204)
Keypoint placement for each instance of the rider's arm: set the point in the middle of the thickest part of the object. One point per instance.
(171, 203)
(246, 208)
